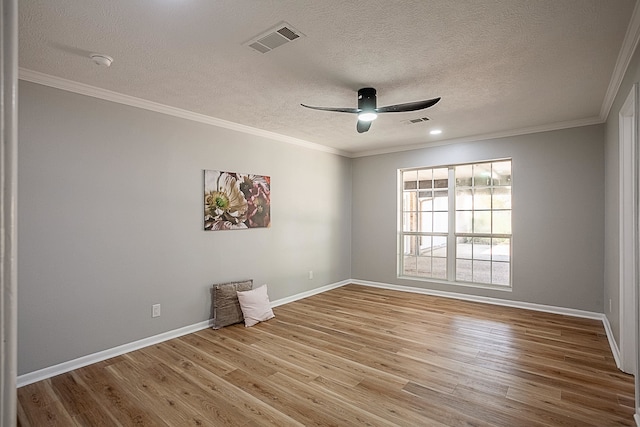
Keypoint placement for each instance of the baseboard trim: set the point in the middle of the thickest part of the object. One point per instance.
(486, 300)
(508, 303)
(310, 293)
(636, 418)
(612, 342)
(89, 359)
(61, 368)
(80, 362)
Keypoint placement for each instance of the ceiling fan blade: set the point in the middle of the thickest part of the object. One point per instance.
(409, 106)
(338, 110)
(362, 127)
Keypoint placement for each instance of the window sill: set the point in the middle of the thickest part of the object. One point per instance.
(502, 288)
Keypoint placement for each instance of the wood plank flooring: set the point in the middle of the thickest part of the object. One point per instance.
(355, 356)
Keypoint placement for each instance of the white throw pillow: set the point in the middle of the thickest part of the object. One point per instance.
(255, 306)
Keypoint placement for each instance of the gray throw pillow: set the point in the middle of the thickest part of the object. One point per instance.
(226, 308)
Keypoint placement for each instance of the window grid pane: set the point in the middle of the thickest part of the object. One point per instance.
(483, 210)
(482, 221)
(409, 255)
(483, 260)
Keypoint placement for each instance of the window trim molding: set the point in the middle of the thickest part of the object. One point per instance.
(451, 234)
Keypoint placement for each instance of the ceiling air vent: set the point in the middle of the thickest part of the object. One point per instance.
(273, 38)
(417, 120)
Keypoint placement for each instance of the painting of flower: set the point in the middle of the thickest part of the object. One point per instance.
(235, 200)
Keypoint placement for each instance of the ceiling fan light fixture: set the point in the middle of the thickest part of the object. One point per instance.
(368, 111)
(367, 116)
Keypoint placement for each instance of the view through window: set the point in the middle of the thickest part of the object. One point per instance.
(456, 223)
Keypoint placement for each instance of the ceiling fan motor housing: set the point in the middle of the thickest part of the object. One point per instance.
(367, 99)
(368, 110)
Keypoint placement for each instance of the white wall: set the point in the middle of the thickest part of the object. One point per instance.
(612, 198)
(110, 222)
(612, 211)
(558, 215)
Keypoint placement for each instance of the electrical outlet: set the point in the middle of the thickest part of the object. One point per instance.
(310, 274)
(609, 305)
(155, 310)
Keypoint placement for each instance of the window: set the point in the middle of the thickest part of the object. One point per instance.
(455, 223)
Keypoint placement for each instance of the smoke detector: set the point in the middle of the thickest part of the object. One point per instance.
(101, 59)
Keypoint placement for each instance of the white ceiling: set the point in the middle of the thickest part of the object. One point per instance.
(500, 66)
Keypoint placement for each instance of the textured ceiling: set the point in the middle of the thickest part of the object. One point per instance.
(500, 66)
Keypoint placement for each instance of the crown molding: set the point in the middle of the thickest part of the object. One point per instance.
(107, 95)
(628, 48)
(495, 135)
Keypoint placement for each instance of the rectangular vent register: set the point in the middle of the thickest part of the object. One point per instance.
(279, 35)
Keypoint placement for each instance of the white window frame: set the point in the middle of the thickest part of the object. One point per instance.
(451, 233)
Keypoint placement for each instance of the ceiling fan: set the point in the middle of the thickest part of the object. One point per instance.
(367, 110)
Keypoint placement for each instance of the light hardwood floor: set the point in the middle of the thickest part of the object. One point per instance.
(355, 356)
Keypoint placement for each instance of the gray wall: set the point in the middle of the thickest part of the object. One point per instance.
(612, 198)
(558, 215)
(110, 222)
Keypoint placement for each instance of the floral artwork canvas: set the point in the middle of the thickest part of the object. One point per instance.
(235, 200)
